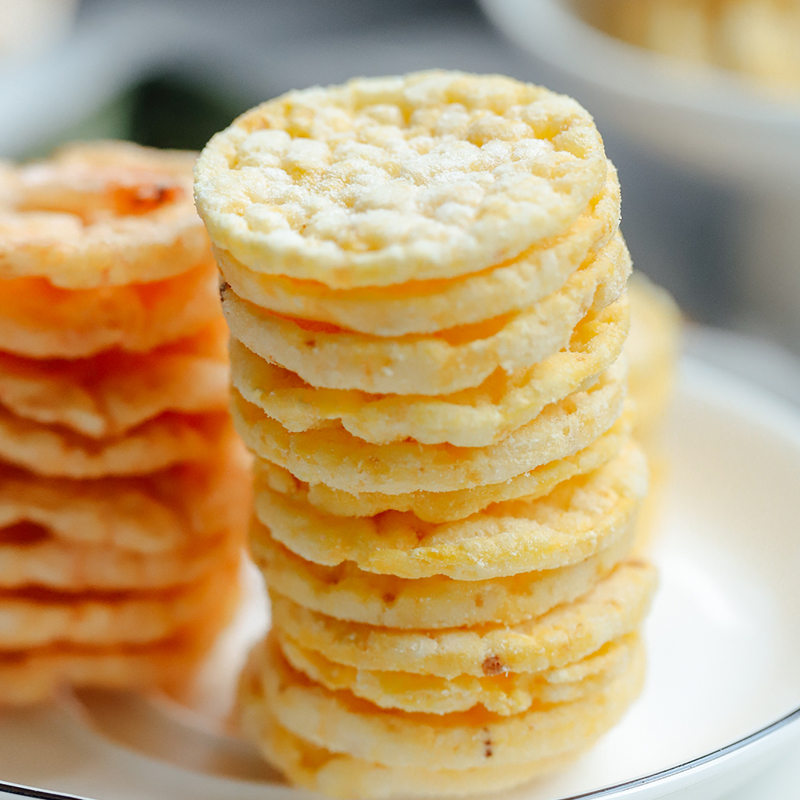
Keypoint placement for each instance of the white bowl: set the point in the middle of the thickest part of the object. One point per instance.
(709, 119)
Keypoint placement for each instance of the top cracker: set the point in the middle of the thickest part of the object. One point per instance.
(384, 180)
(100, 214)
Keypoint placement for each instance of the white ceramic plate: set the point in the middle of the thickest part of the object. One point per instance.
(722, 698)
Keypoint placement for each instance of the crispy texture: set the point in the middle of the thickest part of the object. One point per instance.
(30, 557)
(385, 180)
(37, 617)
(101, 214)
(338, 775)
(441, 363)
(459, 503)
(33, 675)
(503, 694)
(342, 723)
(614, 607)
(172, 509)
(430, 306)
(579, 518)
(153, 445)
(108, 394)
(347, 593)
(336, 458)
(39, 320)
(471, 418)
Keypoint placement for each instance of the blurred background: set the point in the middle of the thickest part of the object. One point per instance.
(698, 102)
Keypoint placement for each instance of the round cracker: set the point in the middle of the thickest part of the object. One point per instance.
(385, 180)
(579, 518)
(503, 694)
(153, 445)
(342, 723)
(175, 508)
(430, 306)
(347, 593)
(338, 775)
(471, 418)
(459, 503)
(108, 394)
(442, 363)
(39, 320)
(30, 556)
(34, 675)
(614, 607)
(336, 458)
(101, 214)
(35, 617)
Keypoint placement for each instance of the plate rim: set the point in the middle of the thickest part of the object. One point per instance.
(695, 763)
(20, 790)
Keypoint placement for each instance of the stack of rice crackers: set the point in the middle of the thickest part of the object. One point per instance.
(121, 480)
(425, 282)
(652, 350)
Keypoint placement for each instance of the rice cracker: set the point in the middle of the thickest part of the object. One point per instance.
(385, 180)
